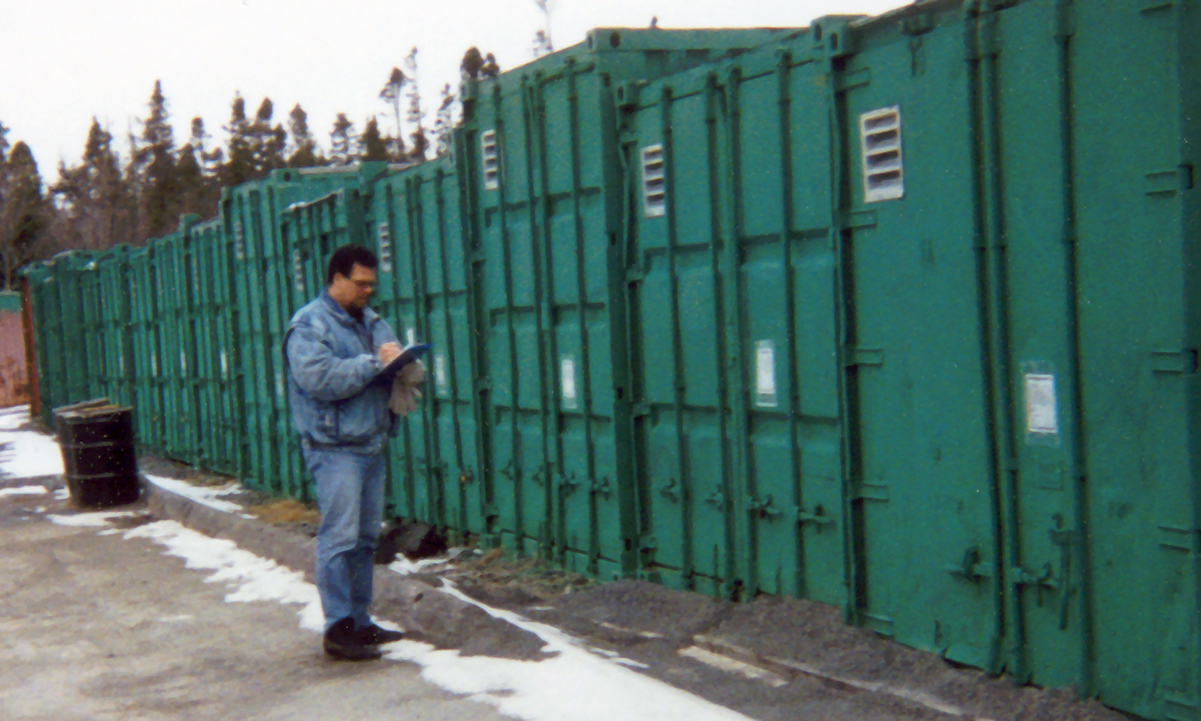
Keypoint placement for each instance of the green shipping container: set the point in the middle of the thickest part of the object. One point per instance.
(543, 208)
(937, 266)
(434, 464)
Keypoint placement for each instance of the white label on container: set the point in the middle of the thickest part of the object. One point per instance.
(765, 374)
(224, 364)
(1042, 413)
(440, 376)
(567, 381)
(411, 335)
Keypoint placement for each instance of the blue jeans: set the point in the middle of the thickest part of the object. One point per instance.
(350, 494)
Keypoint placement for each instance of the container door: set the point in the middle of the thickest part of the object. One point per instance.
(681, 376)
(512, 326)
(434, 207)
(409, 489)
(1134, 137)
(922, 475)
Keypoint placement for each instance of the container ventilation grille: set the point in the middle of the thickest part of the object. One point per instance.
(385, 246)
(654, 184)
(883, 170)
(491, 155)
(298, 271)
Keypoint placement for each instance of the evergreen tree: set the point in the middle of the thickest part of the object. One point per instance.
(267, 141)
(96, 205)
(24, 212)
(371, 144)
(153, 166)
(491, 69)
(415, 114)
(239, 161)
(305, 153)
(392, 93)
(444, 122)
(209, 160)
(342, 140)
(542, 44)
(472, 63)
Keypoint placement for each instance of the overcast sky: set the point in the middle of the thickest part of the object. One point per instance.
(63, 61)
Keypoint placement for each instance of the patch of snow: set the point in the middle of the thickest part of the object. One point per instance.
(201, 494)
(88, 520)
(576, 684)
(14, 417)
(730, 665)
(22, 491)
(250, 577)
(27, 454)
(404, 566)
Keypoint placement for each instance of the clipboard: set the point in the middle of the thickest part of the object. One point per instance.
(408, 354)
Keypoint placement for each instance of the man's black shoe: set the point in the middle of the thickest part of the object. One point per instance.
(372, 635)
(342, 643)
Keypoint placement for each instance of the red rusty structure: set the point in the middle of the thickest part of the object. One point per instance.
(14, 356)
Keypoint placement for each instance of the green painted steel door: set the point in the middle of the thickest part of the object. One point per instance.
(545, 314)
(1135, 133)
(923, 487)
(739, 440)
(424, 296)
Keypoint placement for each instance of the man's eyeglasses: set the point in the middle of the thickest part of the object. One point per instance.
(366, 284)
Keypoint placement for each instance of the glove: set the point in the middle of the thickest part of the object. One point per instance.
(405, 393)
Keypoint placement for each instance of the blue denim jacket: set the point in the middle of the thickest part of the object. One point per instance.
(332, 361)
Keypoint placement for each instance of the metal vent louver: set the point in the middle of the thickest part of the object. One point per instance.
(654, 184)
(491, 155)
(883, 168)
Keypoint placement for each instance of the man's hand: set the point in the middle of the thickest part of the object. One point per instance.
(388, 352)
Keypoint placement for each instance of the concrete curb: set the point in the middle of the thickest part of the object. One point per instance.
(425, 612)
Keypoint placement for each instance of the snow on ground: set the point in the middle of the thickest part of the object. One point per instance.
(98, 519)
(22, 491)
(254, 578)
(26, 454)
(580, 684)
(15, 417)
(577, 685)
(201, 494)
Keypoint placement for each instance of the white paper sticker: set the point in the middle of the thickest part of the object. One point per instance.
(224, 364)
(765, 374)
(440, 376)
(567, 379)
(1042, 414)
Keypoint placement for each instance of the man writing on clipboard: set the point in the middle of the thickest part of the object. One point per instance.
(348, 380)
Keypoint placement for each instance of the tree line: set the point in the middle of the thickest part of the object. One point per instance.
(108, 198)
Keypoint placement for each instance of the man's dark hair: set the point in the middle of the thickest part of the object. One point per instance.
(345, 258)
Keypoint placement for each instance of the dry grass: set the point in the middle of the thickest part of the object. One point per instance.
(285, 511)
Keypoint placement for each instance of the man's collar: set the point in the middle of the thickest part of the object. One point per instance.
(343, 317)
